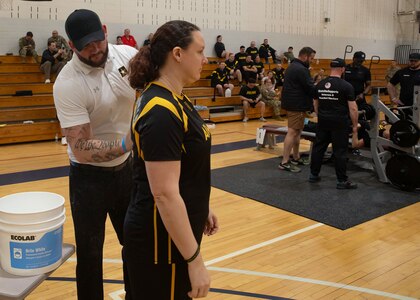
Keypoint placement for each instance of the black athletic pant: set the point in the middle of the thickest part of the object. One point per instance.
(96, 192)
(339, 139)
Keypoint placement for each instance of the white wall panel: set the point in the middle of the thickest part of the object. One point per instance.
(369, 23)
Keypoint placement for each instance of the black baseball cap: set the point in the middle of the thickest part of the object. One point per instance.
(83, 26)
(414, 56)
(359, 54)
(337, 63)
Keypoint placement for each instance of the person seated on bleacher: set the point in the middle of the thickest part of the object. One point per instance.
(149, 38)
(118, 41)
(288, 55)
(232, 67)
(52, 61)
(248, 69)
(251, 96)
(61, 43)
(220, 49)
(220, 80)
(266, 52)
(260, 67)
(336, 108)
(270, 76)
(270, 96)
(128, 39)
(241, 55)
(27, 47)
(279, 75)
(252, 50)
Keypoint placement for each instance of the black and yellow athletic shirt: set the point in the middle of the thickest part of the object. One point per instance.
(166, 127)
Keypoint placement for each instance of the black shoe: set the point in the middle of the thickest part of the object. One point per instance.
(314, 178)
(346, 185)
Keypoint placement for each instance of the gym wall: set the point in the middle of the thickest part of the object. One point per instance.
(326, 25)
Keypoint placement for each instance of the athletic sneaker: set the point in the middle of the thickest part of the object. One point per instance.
(301, 161)
(245, 120)
(289, 167)
(346, 185)
(262, 119)
(64, 141)
(314, 178)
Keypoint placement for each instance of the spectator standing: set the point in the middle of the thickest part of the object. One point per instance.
(297, 98)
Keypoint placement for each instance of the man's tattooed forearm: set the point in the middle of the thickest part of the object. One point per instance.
(89, 145)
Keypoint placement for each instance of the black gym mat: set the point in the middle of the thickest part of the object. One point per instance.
(321, 201)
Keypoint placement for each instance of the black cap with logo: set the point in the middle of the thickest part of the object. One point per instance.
(83, 26)
(359, 55)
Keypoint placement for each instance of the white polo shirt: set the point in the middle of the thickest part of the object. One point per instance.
(102, 97)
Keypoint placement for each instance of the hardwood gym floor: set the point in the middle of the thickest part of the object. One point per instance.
(260, 252)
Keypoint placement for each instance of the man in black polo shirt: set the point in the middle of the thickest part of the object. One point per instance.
(359, 77)
(335, 106)
(297, 98)
(250, 96)
(407, 78)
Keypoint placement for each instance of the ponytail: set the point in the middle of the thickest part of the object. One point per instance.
(142, 70)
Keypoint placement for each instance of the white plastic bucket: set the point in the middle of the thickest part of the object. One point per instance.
(31, 232)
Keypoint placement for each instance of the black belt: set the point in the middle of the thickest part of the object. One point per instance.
(97, 168)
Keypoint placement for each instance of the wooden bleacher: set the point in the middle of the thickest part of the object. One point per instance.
(38, 111)
(25, 118)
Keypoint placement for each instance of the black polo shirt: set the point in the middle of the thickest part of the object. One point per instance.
(357, 77)
(407, 78)
(333, 95)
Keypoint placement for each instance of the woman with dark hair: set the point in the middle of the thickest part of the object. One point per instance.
(220, 49)
(169, 211)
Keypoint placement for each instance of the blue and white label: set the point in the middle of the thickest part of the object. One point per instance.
(34, 255)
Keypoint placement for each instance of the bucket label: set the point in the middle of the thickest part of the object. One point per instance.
(34, 255)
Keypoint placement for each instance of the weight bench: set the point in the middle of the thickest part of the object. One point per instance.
(18, 287)
(266, 135)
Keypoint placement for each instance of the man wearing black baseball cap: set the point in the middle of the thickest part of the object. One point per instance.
(94, 103)
(336, 109)
(359, 77)
(407, 78)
